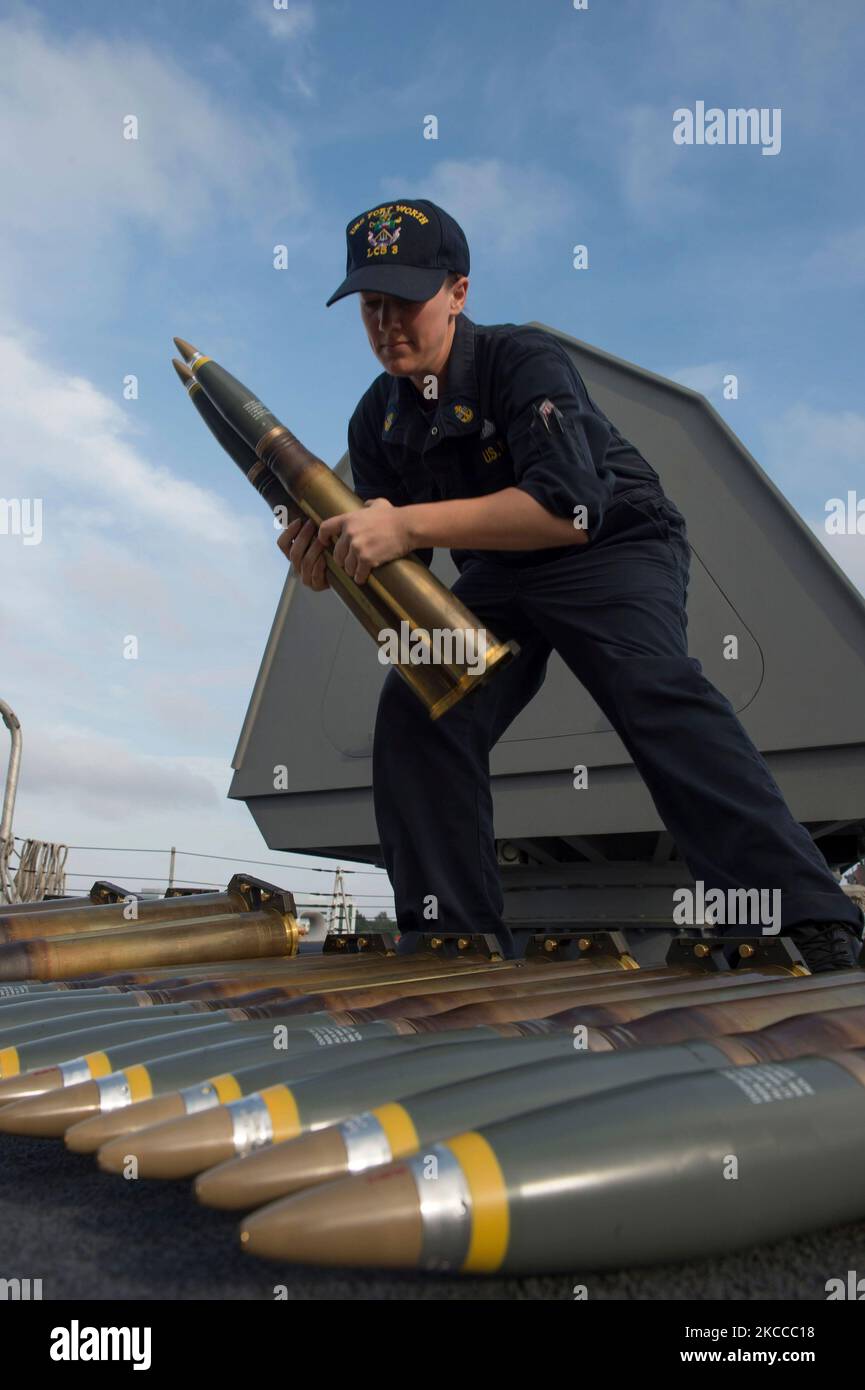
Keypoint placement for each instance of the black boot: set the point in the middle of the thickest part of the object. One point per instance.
(826, 946)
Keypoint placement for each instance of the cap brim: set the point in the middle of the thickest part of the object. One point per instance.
(405, 281)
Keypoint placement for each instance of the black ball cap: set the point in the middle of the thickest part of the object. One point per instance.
(403, 248)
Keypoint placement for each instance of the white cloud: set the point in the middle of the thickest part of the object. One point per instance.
(653, 169)
(82, 787)
(503, 207)
(291, 24)
(840, 260)
(130, 753)
(820, 452)
(60, 431)
(790, 54)
(285, 21)
(760, 44)
(102, 774)
(128, 548)
(67, 173)
(130, 545)
(705, 377)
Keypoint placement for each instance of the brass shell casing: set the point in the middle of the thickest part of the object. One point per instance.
(266, 932)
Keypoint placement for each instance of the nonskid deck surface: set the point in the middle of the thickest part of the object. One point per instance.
(87, 1235)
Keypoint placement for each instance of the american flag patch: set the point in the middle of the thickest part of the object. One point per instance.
(549, 412)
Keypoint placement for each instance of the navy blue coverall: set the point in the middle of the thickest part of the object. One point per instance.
(614, 609)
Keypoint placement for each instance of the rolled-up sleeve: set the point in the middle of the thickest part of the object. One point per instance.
(556, 440)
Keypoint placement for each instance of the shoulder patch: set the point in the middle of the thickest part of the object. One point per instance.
(550, 413)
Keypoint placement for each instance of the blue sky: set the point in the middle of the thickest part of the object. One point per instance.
(260, 126)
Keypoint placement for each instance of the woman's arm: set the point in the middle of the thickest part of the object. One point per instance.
(505, 520)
